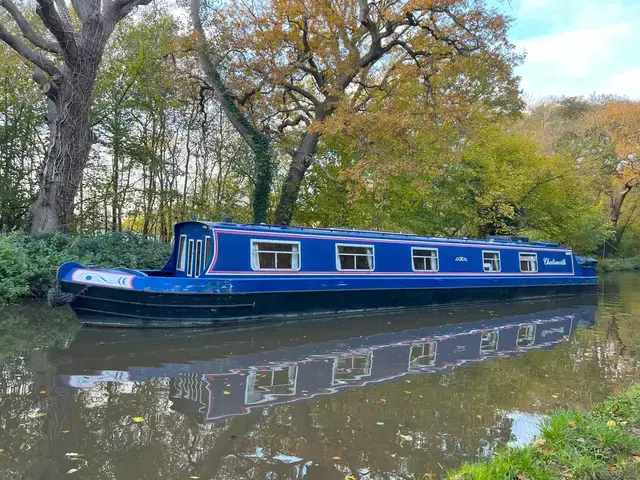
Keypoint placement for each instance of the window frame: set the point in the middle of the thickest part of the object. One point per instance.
(534, 254)
(198, 259)
(360, 245)
(182, 254)
(499, 261)
(207, 251)
(190, 254)
(529, 327)
(257, 267)
(437, 257)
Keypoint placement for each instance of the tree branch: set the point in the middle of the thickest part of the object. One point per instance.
(26, 29)
(121, 8)
(37, 58)
(64, 34)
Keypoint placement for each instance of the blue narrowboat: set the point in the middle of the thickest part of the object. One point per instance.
(226, 273)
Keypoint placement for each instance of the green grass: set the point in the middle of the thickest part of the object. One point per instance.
(601, 444)
(619, 264)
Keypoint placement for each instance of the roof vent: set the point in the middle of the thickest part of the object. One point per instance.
(227, 219)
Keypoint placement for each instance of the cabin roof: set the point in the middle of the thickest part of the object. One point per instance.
(356, 233)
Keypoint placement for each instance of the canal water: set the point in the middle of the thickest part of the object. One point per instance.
(373, 397)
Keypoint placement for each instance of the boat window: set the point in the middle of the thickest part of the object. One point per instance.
(264, 385)
(275, 255)
(207, 251)
(422, 355)
(425, 260)
(198, 257)
(354, 257)
(528, 262)
(491, 261)
(182, 253)
(526, 335)
(489, 342)
(190, 259)
(352, 368)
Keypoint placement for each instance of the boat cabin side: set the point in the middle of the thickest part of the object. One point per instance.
(207, 249)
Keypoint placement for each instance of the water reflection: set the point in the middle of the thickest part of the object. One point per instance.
(386, 396)
(210, 384)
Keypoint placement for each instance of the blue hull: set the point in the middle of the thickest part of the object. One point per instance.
(100, 306)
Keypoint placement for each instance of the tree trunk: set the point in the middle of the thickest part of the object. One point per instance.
(616, 204)
(293, 181)
(70, 142)
(258, 141)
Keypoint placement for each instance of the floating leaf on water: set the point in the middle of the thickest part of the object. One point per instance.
(43, 392)
(611, 423)
(66, 431)
(73, 454)
(429, 475)
(479, 417)
(554, 395)
(227, 392)
(408, 392)
(138, 419)
(194, 477)
(383, 401)
(336, 458)
(73, 470)
(379, 423)
(408, 381)
(350, 477)
(40, 414)
(1, 451)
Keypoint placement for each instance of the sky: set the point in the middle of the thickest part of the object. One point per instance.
(577, 47)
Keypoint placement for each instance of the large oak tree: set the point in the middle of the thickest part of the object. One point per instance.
(65, 59)
(307, 68)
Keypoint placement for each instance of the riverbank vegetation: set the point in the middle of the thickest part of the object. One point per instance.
(28, 263)
(422, 131)
(602, 444)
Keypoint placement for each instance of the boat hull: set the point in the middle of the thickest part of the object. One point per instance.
(113, 307)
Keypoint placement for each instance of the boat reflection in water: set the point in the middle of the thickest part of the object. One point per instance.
(214, 375)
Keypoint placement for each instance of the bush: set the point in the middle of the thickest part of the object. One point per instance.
(619, 264)
(28, 264)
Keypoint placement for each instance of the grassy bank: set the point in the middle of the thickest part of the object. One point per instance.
(28, 263)
(602, 444)
(619, 264)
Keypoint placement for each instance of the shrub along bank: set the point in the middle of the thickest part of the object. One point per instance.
(619, 264)
(28, 263)
(602, 444)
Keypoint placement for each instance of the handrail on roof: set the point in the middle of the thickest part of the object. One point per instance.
(382, 232)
